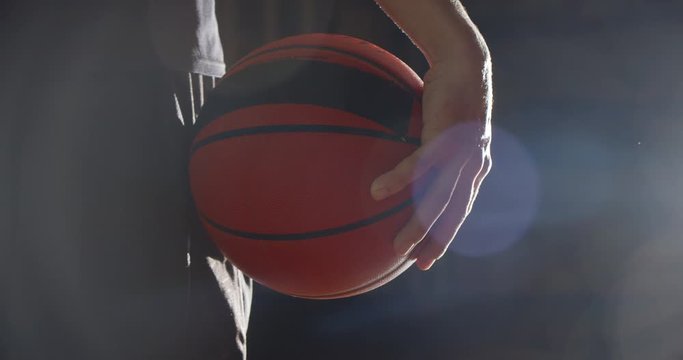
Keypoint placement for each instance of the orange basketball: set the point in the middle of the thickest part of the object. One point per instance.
(289, 143)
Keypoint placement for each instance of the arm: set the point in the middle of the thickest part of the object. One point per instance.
(441, 29)
(457, 127)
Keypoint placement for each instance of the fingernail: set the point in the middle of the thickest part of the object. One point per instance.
(378, 191)
(426, 266)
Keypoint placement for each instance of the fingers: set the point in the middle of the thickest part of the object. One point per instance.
(407, 171)
(425, 265)
(436, 151)
(444, 230)
(430, 207)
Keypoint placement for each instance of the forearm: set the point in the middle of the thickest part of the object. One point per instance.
(440, 28)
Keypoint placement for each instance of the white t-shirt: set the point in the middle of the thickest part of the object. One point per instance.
(186, 37)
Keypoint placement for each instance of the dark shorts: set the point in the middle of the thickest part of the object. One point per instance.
(100, 220)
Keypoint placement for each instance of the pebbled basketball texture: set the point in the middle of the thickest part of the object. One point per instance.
(288, 145)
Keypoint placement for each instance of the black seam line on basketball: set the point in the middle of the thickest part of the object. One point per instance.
(311, 234)
(377, 66)
(301, 128)
(300, 81)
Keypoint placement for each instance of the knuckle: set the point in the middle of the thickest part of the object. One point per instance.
(488, 164)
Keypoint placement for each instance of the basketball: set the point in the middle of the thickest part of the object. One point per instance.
(287, 146)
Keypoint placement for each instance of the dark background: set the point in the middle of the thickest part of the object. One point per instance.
(573, 250)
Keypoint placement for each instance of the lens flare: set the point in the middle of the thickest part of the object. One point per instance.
(507, 201)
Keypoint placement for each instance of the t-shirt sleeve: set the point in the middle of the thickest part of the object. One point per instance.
(185, 36)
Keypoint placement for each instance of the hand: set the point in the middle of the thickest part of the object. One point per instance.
(455, 148)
